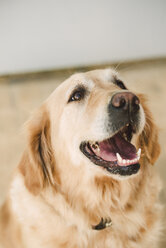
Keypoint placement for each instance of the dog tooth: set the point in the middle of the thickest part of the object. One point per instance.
(96, 146)
(119, 157)
(124, 161)
(139, 153)
(98, 149)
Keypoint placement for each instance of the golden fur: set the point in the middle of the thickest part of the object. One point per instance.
(57, 195)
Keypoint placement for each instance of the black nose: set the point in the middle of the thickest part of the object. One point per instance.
(126, 101)
(124, 109)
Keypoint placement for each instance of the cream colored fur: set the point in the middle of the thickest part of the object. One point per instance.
(57, 194)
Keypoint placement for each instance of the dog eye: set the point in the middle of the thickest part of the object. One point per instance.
(120, 84)
(77, 96)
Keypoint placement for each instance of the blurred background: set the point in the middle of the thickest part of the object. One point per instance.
(43, 42)
(44, 35)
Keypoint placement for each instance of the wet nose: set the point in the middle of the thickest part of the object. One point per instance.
(125, 101)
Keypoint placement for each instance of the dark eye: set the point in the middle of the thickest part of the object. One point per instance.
(120, 84)
(77, 96)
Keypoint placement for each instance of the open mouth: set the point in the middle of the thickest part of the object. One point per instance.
(116, 154)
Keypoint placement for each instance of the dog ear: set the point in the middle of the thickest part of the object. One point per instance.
(38, 163)
(148, 140)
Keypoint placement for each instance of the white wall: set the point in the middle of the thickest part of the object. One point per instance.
(46, 34)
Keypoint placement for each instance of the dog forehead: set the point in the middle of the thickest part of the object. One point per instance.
(104, 75)
(90, 79)
(99, 75)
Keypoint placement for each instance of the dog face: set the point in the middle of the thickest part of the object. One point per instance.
(96, 126)
(97, 123)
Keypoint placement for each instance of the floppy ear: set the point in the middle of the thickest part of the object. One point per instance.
(38, 164)
(148, 140)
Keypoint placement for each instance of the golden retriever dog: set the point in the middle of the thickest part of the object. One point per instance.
(86, 178)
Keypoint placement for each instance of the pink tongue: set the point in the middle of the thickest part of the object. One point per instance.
(117, 144)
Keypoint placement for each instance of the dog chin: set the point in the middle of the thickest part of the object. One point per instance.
(118, 177)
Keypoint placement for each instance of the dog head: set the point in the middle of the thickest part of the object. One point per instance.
(91, 125)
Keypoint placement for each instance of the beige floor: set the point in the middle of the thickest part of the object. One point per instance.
(18, 98)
